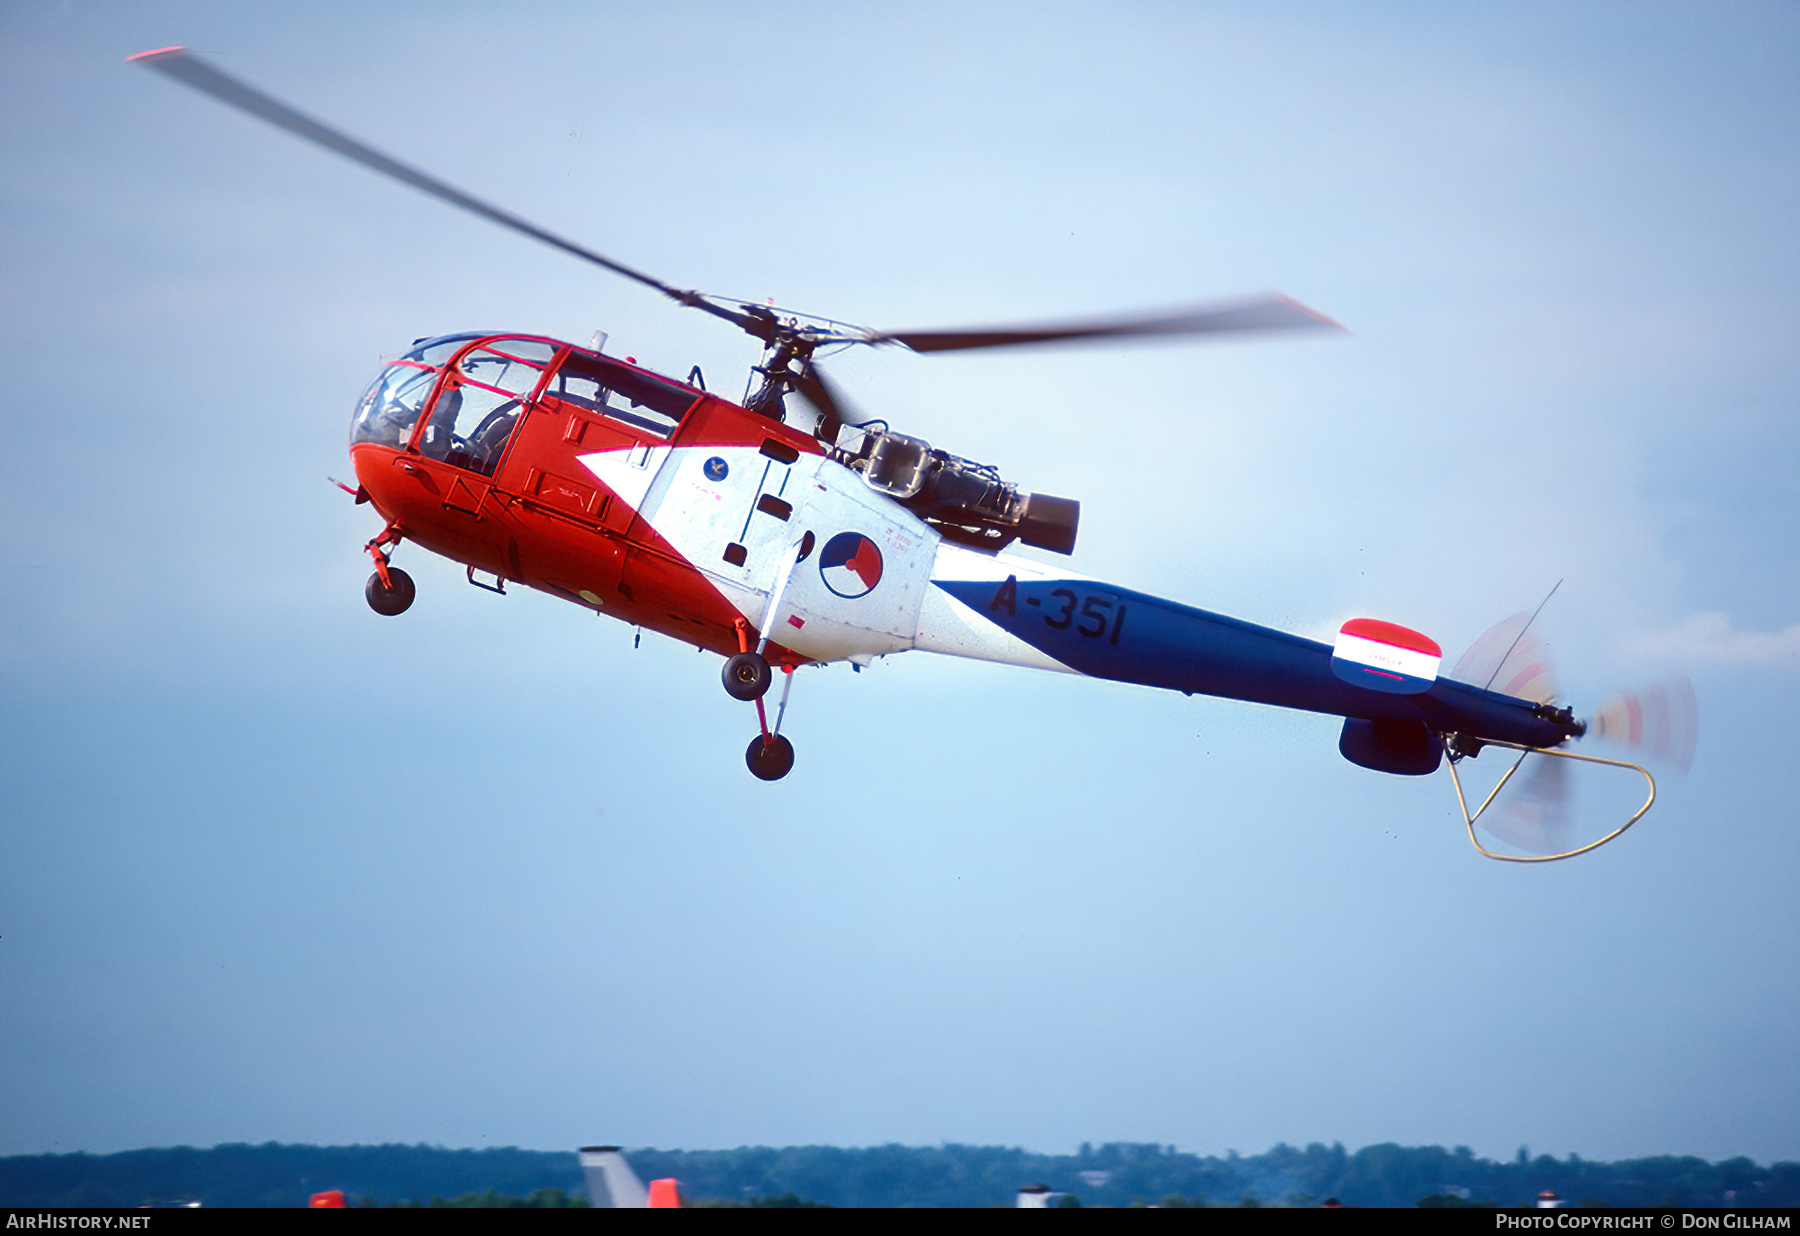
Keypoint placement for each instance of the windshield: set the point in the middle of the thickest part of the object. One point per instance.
(391, 407)
(435, 350)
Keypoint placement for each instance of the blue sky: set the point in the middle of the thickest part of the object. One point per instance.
(272, 867)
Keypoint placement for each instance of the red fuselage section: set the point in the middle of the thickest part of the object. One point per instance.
(474, 447)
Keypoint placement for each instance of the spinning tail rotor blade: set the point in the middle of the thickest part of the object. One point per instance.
(1510, 658)
(1259, 315)
(1659, 722)
(185, 67)
(1535, 817)
(1557, 802)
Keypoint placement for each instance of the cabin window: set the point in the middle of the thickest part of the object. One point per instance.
(649, 404)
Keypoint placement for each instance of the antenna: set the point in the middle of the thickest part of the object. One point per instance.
(1521, 635)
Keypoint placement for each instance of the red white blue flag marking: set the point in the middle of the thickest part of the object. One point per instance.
(1383, 656)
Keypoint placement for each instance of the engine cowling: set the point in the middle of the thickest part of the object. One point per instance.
(967, 502)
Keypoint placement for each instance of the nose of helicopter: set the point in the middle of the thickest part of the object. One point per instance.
(389, 409)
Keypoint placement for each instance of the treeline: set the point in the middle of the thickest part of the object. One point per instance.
(277, 1175)
(1119, 1174)
(1116, 1174)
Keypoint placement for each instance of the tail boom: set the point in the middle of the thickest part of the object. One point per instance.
(1105, 631)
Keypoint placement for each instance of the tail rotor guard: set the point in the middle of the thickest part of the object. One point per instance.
(1458, 751)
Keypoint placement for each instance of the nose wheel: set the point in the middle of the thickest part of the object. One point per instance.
(390, 591)
(392, 596)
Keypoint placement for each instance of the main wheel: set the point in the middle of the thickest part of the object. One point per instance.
(770, 760)
(746, 677)
(390, 600)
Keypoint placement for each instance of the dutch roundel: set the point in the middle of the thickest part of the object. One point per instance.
(1384, 656)
(850, 565)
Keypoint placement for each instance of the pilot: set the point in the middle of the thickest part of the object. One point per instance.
(489, 438)
(440, 430)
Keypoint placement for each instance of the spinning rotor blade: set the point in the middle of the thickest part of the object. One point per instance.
(1511, 659)
(1535, 818)
(1556, 803)
(1262, 314)
(182, 65)
(1257, 315)
(823, 394)
(1659, 722)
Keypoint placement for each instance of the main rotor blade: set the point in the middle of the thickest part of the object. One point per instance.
(1265, 313)
(184, 66)
(823, 393)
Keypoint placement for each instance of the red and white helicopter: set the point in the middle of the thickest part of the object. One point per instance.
(781, 532)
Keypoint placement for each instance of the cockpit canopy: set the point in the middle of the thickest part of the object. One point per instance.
(458, 397)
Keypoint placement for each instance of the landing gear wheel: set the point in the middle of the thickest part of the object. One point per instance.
(390, 601)
(746, 677)
(770, 760)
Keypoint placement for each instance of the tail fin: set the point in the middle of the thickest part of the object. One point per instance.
(610, 1180)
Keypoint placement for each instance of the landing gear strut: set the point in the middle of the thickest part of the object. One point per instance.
(770, 757)
(390, 591)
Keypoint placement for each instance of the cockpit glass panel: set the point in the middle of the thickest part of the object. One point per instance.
(391, 407)
(476, 412)
(509, 364)
(470, 425)
(652, 405)
(442, 348)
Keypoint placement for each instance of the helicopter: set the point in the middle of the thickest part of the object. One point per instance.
(782, 531)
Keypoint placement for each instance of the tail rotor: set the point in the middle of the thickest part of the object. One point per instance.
(1552, 803)
(1534, 818)
(1510, 658)
(1660, 722)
